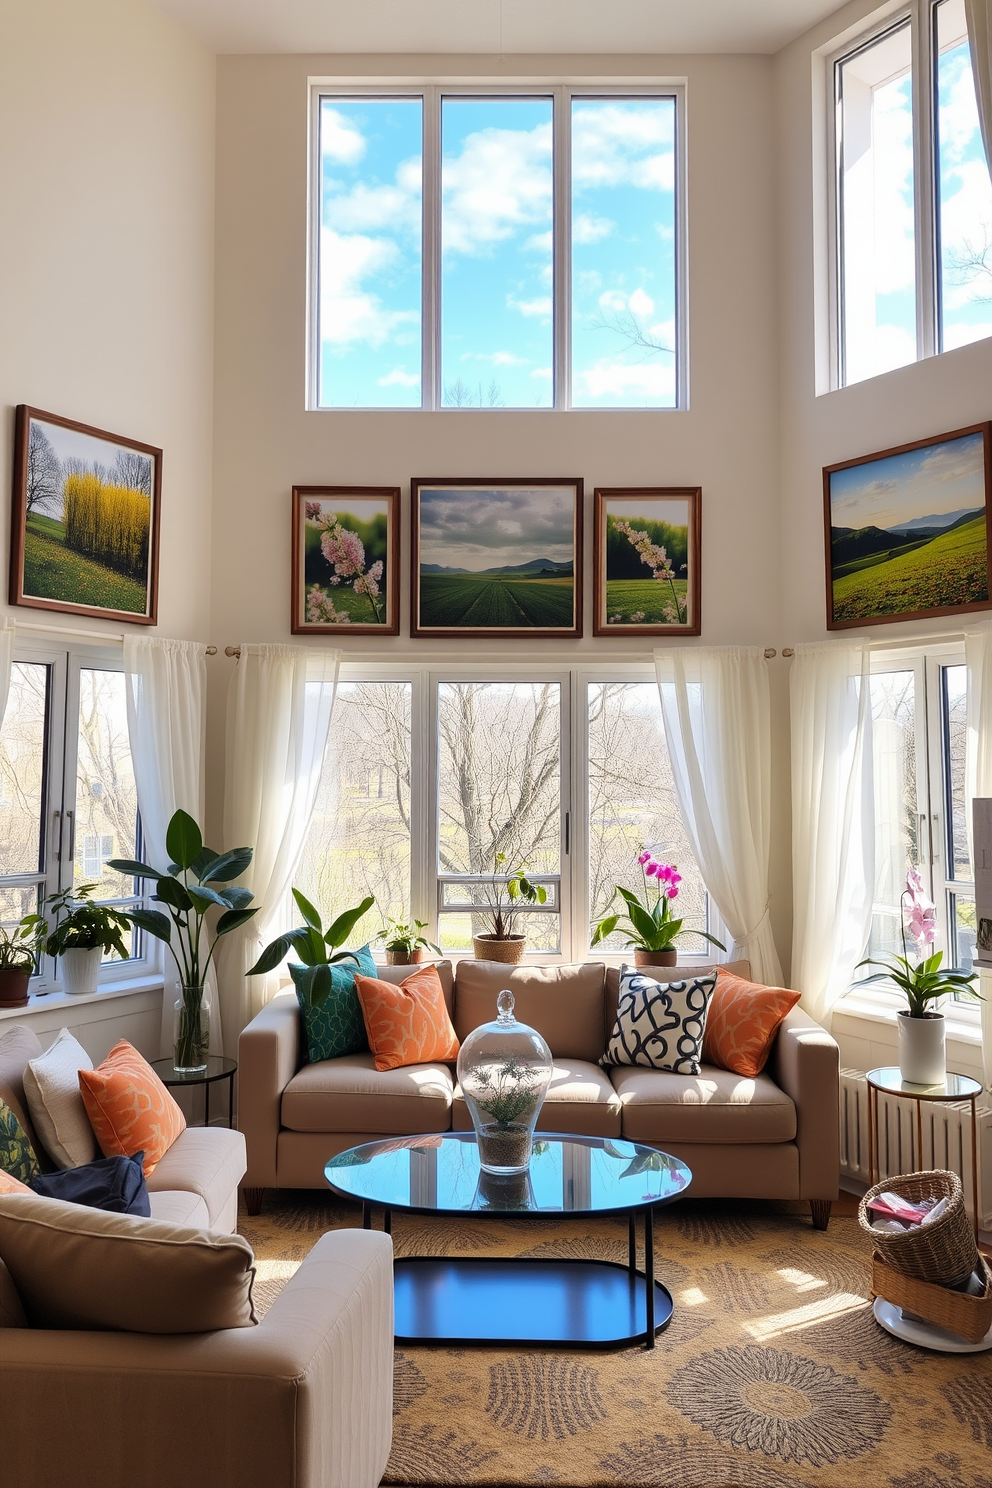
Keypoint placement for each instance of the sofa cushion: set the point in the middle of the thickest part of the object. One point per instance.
(11, 1311)
(179, 1208)
(743, 1023)
(351, 1095)
(17, 1155)
(409, 1023)
(444, 969)
(564, 1003)
(51, 1089)
(17, 1046)
(80, 1268)
(580, 1099)
(116, 1184)
(660, 1024)
(10, 1184)
(660, 974)
(209, 1161)
(129, 1108)
(336, 1026)
(713, 1106)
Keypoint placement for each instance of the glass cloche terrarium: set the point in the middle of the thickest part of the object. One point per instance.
(504, 1069)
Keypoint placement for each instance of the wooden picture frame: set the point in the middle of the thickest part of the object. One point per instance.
(85, 514)
(531, 529)
(647, 579)
(346, 560)
(909, 524)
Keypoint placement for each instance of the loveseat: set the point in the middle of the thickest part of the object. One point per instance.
(772, 1137)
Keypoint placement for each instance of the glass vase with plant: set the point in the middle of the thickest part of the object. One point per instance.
(509, 895)
(651, 927)
(196, 882)
(504, 1070)
(316, 947)
(404, 942)
(19, 947)
(84, 933)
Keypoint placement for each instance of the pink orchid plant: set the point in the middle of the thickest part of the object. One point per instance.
(923, 981)
(650, 923)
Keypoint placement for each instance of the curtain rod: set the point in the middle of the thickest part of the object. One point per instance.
(89, 635)
(770, 652)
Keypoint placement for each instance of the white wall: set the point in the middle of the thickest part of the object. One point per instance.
(106, 255)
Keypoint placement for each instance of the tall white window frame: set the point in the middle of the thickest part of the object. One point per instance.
(562, 95)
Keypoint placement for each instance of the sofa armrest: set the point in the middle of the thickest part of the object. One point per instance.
(302, 1401)
(805, 1063)
(268, 1057)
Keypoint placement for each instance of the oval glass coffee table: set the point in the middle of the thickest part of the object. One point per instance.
(464, 1300)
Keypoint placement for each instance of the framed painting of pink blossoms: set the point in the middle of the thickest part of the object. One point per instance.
(647, 555)
(346, 560)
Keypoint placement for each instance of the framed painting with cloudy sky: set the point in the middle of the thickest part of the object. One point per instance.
(907, 531)
(496, 558)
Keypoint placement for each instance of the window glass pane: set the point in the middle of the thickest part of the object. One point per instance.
(106, 798)
(963, 931)
(632, 807)
(496, 244)
(359, 837)
(623, 253)
(370, 252)
(893, 706)
(964, 192)
(23, 750)
(954, 688)
(877, 249)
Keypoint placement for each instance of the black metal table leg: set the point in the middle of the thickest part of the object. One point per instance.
(649, 1273)
(387, 1221)
(632, 1242)
(366, 1216)
(230, 1102)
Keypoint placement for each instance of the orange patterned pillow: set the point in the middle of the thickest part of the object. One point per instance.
(129, 1108)
(10, 1184)
(408, 1024)
(742, 1023)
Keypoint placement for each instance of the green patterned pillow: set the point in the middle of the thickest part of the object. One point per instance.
(16, 1153)
(337, 1026)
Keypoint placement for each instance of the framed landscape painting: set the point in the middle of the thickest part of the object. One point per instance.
(346, 560)
(907, 531)
(496, 558)
(84, 520)
(647, 560)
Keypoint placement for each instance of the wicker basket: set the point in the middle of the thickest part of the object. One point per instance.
(510, 951)
(943, 1253)
(969, 1317)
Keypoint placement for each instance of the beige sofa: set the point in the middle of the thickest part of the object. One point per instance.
(773, 1137)
(196, 1182)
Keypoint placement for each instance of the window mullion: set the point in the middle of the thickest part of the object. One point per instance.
(431, 251)
(562, 241)
(924, 94)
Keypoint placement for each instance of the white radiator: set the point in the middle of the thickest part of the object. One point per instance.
(946, 1139)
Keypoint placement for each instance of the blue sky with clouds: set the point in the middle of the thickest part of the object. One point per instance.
(478, 527)
(926, 482)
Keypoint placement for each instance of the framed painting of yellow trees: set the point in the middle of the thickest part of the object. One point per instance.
(84, 520)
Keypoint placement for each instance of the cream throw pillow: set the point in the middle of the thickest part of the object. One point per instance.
(51, 1089)
(81, 1268)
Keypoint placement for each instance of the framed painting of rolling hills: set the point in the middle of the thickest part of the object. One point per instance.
(496, 558)
(907, 531)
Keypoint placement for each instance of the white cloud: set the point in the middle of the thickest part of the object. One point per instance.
(398, 378)
(340, 140)
(498, 358)
(641, 304)
(963, 332)
(540, 307)
(540, 242)
(624, 144)
(499, 183)
(349, 313)
(610, 379)
(545, 374)
(589, 229)
(374, 208)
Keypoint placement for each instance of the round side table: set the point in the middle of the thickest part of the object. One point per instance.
(217, 1069)
(889, 1081)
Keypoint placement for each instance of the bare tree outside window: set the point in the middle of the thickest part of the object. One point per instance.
(22, 774)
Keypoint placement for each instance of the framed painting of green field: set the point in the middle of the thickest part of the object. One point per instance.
(84, 520)
(646, 559)
(496, 558)
(907, 531)
(346, 572)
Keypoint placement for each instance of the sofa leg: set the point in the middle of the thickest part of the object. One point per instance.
(253, 1199)
(820, 1210)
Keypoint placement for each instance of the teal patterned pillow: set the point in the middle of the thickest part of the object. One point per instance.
(16, 1153)
(337, 1026)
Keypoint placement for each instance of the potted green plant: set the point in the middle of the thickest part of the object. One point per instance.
(197, 881)
(19, 947)
(511, 893)
(84, 933)
(922, 1054)
(650, 925)
(316, 947)
(404, 944)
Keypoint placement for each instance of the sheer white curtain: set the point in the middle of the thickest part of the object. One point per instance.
(833, 819)
(6, 662)
(166, 721)
(278, 714)
(979, 15)
(978, 775)
(715, 704)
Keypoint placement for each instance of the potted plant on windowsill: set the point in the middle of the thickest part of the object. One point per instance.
(316, 947)
(84, 933)
(19, 947)
(651, 928)
(404, 943)
(511, 893)
(922, 1053)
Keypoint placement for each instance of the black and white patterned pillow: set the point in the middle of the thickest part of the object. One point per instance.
(660, 1024)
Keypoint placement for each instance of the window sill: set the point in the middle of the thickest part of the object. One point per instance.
(41, 1002)
(871, 1009)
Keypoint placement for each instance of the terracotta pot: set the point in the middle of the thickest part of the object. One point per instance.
(13, 987)
(656, 958)
(404, 958)
(510, 951)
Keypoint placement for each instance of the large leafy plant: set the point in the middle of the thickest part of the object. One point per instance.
(923, 981)
(83, 926)
(316, 947)
(649, 922)
(196, 881)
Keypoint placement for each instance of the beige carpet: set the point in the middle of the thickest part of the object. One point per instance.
(772, 1374)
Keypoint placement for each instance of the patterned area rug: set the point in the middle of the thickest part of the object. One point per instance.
(772, 1373)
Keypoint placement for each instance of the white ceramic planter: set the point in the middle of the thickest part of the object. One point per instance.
(922, 1058)
(80, 970)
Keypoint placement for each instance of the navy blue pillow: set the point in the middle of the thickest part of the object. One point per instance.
(116, 1184)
